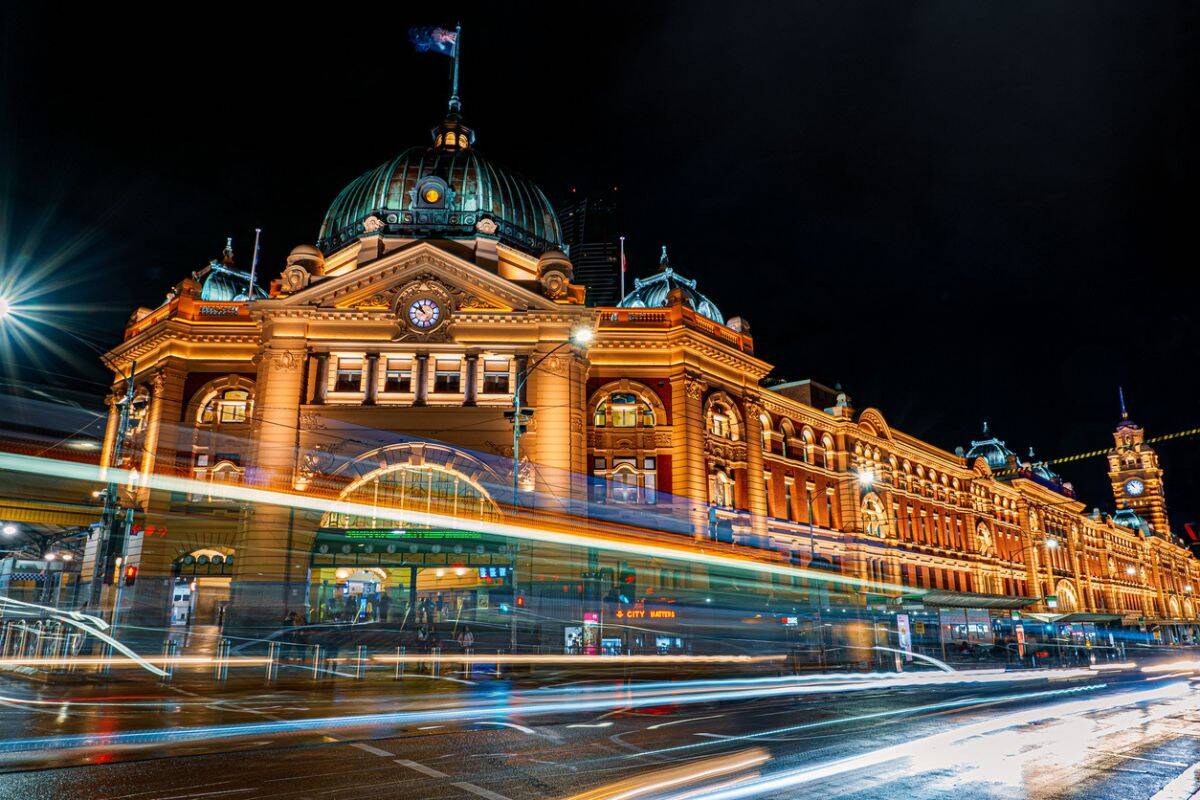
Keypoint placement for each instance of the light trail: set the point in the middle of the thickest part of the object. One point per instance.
(828, 723)
(105, 661)
(1173, 666)
(626, 698)
(789, 780)
(248, 494)
(596, 660)
(674, 777)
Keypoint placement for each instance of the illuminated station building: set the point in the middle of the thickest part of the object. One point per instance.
(376, 368)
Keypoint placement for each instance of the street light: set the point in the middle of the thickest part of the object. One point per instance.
(866, 478)
(9, 530)
(580, 337)
(1130, 571)
(5, 308)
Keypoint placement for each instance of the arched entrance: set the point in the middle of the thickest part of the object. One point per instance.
(1068, 601)
(201, 586)
(369, 565)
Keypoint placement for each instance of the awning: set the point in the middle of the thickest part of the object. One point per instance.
(944, 599)
(1088, 616)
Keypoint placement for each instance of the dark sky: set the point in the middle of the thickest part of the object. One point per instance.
(958, 210)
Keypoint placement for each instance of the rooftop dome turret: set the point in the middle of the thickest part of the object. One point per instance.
(655, 291)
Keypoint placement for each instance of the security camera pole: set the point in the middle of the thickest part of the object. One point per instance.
(114, 526)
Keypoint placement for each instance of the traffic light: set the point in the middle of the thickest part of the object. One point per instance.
(526, 416)
(130, 574)
(627, 583)
(520, 599)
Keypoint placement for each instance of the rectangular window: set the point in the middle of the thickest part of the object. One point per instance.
(598, 464)
(398, 378)
(349, 375)
(787, 500)
(447, 377)
(495, 376)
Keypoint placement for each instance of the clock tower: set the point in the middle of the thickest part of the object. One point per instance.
(1136, 477)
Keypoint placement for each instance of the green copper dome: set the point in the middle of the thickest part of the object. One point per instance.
(653, 292)
(444, 191)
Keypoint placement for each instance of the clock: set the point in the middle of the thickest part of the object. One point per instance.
(424, 313)
(1134, 487)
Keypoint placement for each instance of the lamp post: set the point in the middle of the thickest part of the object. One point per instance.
(580, 337)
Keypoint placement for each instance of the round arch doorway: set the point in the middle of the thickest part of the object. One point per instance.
(370, 566)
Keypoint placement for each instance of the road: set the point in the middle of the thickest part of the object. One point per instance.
(1120, 734)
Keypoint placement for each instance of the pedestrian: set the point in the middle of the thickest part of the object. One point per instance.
(468, 639)
(351, 608)
(384, 603)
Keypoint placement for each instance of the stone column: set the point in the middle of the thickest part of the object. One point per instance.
(320, 379)
(550, 386)
(372, 379)
(273, 540)
(421, 390)
(1033, 583)
(470, 391)
(147, 602)
(756, 493)
(690, 477)
(110, 434)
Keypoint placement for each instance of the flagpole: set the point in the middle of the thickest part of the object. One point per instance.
(622, 269)
(454, 104)
(254, 264)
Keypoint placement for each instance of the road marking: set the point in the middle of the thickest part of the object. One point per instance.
(512, 725)
(421, 768)
(209, 794)
(1181, 787)
(375, 751)
(1139, 758)
(591, 725)
(690, 719)
(479, 790)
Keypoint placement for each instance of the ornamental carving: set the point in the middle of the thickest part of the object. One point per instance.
(662, 439)
(295, 278)
(311, 421)
(283, 360)
(554, 284)
(693, 388)
(486, 226)
(372, 224)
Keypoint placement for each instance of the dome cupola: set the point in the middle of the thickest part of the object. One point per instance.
(656, 290)
(992, 450)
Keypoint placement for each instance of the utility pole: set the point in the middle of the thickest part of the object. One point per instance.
(114, 526)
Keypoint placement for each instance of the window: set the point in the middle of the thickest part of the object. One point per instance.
(787, 499)
(226, 408)
(349, 375)
(626, 409)
(398, 377)
(721, 489)
(624, 488)
(719, 425)
(495, 376)
(447, 378)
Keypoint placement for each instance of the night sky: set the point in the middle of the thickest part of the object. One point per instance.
(957, 210)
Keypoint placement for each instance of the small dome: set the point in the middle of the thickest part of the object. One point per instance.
(655, 291)
(304, 252)
(1128, 518)
(222, 284)
(992, 450)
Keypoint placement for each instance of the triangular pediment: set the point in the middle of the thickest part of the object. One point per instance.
(376, 286)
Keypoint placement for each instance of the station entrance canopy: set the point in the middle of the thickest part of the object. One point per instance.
(407, 547)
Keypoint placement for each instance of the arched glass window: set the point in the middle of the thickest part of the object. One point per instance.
(720, 488)
(226, 408)
(624, 410)
(425, 488)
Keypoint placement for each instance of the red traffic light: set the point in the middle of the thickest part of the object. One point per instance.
(130, 575)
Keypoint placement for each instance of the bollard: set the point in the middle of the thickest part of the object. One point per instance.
(272, 660)
(437, 661)
(400, 653)
(466, 667)
(168, 664)
(221, 668)
(499, 669)
(361, 653)
(316, 661)
(4, 638)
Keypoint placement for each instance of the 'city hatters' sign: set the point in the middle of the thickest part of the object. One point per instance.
(640, 611)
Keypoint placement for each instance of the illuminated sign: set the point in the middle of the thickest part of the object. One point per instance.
(220, 311)
(644, 613)
(404, 533)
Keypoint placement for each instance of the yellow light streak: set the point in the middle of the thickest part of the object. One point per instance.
(503, 658)
(659, 780)
(249, 494)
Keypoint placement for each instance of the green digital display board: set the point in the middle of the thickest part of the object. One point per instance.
(406, 533)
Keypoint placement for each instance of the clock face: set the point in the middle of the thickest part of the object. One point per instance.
(424, 313)
(1134, 487)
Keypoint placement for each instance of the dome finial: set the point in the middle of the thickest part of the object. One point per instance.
(455, 105)
(664, 263)
(985, 427)
(227, 253)
(1121, 395)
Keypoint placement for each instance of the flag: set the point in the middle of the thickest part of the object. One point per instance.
(433, 40)
(622, 255)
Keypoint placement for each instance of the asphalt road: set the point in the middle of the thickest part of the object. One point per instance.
(1108, 735)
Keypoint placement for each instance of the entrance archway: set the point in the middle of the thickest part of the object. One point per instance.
(1068, 601)
(371, 565)
(200, 589)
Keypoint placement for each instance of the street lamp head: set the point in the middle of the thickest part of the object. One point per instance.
(1130, 571)
(582, 335)
(866, 477)
(68, 556)
(5, 308)
(9, 530)
(1051, 543)
(50, 556)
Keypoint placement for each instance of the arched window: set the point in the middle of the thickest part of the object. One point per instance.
(722, 419)
(786, 432)
(228, 407)
(624, 410)
(764, 428)
(424, 488)
(720, 489)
